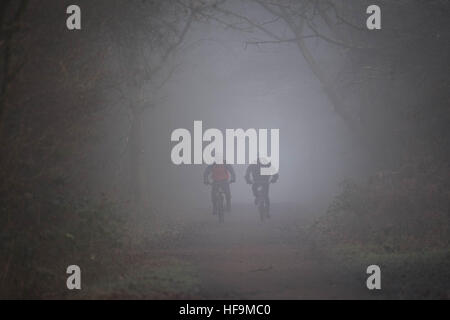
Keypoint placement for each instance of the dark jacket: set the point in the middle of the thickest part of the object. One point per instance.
(253, 174)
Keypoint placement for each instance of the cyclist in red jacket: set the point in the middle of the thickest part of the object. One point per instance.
(222, 175)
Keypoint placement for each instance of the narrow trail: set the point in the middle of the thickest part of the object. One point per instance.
(247, 259)
(196, 257)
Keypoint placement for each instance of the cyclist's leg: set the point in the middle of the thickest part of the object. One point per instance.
(226, 188)
(255, 191)
(266, 194)
(213, 195)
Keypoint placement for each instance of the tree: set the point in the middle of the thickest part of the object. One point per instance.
(11, 13)
(304, 20)
(366, 64)
(144, 36)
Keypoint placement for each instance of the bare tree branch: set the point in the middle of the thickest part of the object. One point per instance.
(7, 32)
(315, 68)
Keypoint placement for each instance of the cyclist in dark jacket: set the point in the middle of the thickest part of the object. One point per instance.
(253, 176)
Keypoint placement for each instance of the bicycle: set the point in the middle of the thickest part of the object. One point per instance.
(219, 202)
(262, 202)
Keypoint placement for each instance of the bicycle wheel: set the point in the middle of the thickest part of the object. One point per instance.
(261, 210)
(266, 208)
(220, 207)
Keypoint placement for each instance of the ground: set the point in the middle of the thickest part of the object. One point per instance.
(244, 258)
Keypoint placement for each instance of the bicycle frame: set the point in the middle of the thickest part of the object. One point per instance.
(219, 200)
(262, 202)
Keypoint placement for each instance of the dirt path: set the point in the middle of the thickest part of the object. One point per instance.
(246, 259)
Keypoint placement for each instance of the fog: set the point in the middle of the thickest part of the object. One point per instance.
(91, 93)
(228, 84)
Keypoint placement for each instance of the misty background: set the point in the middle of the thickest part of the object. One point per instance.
(234, 87)
(86, 118)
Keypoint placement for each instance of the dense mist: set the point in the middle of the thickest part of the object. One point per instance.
(87, 179)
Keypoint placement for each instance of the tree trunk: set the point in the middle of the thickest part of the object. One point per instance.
(137, 178)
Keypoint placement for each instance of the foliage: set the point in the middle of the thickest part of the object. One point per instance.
(35, 254)
(403, 210)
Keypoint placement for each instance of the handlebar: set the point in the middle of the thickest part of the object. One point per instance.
(208, 183)
(253, 182)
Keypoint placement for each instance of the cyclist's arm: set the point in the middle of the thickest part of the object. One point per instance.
(275, 177)
(206, 174)
(231, 171)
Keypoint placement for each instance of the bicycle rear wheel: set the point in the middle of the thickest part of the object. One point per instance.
(266, 208)
(220, 207)
(261, 211)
